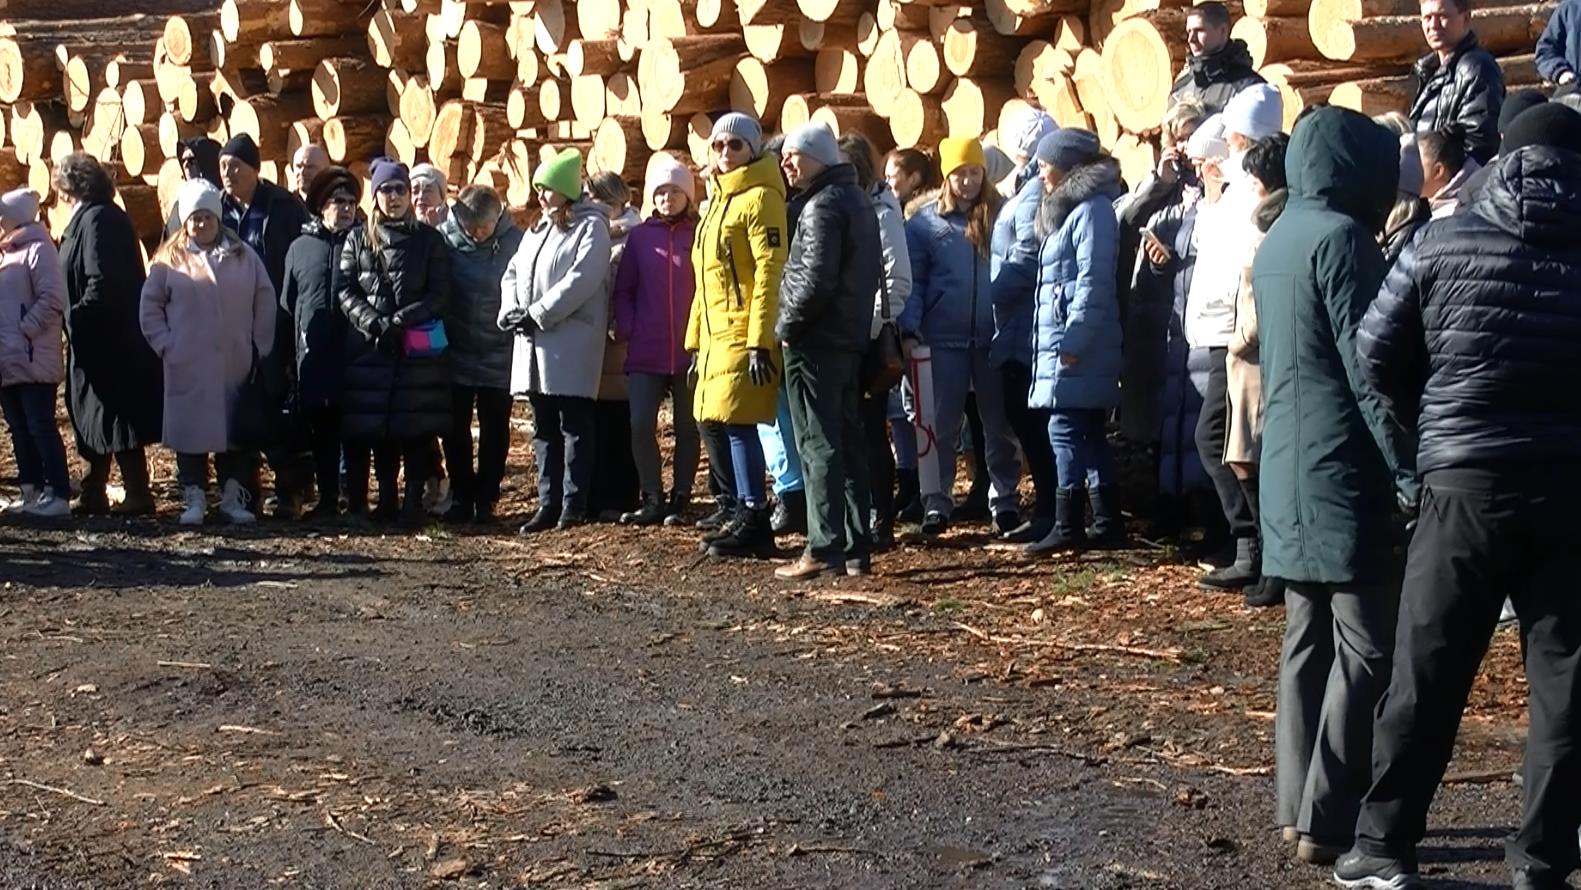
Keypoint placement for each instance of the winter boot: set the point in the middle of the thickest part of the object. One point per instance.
(1108, 526)
(726, 530)
(1005, 522)
(1033, 530)
(234, 504)
(935, 523)
(883, 532)
(93, 501)
(675, 509)
(196, 505)
(908, 496)
(1241, 573)
(29, 495)
(139, 500)
(651, 512)
(1067, 533)
(288, 498)
(1265, 593)
(483, 513)
(542, 521)
(790, 513)
(753, 537)
(724, 512)
(974, 508)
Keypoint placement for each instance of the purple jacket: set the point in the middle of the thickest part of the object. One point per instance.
(32, 308)
(653, 296)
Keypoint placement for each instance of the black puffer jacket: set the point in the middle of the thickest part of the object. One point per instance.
(1472, 339)
(387, 394)
(1214, 77)
(832, 272)
(1467, 93)
(310, 298)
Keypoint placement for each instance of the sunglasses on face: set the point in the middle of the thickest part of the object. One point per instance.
(733, 144)
(343, 201)
(393, 189)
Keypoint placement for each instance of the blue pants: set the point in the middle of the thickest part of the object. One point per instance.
(779, 448)
(957, 372)
(40, 454)
(1081, 451)
(901, 425)
(746, 459)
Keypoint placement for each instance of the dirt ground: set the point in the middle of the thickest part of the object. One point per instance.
(345, 706)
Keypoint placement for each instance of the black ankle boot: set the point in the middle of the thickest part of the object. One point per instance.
(546, 518)
(1240, 574)
(1067, 533)
(1108, 526)
(753, 537)
(724, 511)
(651, 512)
(908, 496)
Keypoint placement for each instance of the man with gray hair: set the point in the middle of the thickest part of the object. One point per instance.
(826, 310)
(309, 161)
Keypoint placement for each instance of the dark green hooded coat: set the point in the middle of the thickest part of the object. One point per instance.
(1332, 460)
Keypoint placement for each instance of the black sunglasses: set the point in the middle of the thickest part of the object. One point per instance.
(732, 144)
(394, 188)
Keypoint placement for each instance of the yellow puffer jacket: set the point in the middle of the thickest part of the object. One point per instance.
(738, 253)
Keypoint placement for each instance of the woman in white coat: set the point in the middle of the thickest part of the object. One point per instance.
(555, 296)
(208, 311)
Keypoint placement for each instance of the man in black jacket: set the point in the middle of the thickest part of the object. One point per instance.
(1471, 343)
(269, 218)
(1459, 84)
(826, 309)
(1219, 67)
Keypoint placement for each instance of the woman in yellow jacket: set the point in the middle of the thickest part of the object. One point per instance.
(738, 253)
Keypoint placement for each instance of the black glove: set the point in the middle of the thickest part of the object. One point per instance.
(692, 372)
(389, 341)
(527, 325)
(760, 367)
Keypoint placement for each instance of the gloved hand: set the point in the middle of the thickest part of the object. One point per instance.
(527, 325)
(692, 372)
(390, 341)
(1409, 509)
(760, 367)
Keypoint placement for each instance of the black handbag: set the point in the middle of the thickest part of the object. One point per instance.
(256, 421)
(883, 365)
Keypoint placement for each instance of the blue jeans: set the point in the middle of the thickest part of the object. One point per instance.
(1081, 451)
(746, 458)
(40, 454)
(901, 428)
(956, 372)
(779, 448)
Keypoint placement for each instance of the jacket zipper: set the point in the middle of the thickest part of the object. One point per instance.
(669, 287)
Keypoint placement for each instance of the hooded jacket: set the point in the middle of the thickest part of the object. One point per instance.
(480, 353)
(1077, 313)
(653, 295)
(208, 155)
(1332, 459)
(1213, 78)
(1467, 91)
(1559, 47)
(951, 304)
(1471, 342)
(737, 257)
(404, 284)
(32, 308)
(1243, 376)
(1013, 271)
(833, 268)
(310, 299)
(559, 279)
(897, 259)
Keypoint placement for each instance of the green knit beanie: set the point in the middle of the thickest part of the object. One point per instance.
(562, 173)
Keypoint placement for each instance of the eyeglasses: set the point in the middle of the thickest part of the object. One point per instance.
(394, 188)
(719, 145)
(342, 201)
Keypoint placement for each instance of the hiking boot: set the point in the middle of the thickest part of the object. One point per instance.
(234, 503)
(753, 538)
(908, 496)
(675, 509)
(807, 567)
(196, 505)
(790, 513)
(29, 496)
(935, 523)
(1266, 593)
(724, 511)
(545, 519)
(1033, 530)
(1241, 573)
(726, 530)
(484, 514)
(651, 512)
(1005, 522)
(1108, 526)
(49, 505)
(1314, 852)
(570, 519)
(1067, 533)
(1358, 871)
(883, 534)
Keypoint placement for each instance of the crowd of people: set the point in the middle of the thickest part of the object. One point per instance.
(1346, 348)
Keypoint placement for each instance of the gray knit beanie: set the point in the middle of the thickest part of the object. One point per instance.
(742, 127)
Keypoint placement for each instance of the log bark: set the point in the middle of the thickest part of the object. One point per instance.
(481, 51)
(357, 137)
(348, 86)
(860, 119)
(117, 72)
(195, 102)
(760, 90)
(1377, 96)
(619, 147)
(916, 120)
(323, 18)
(972, 48)
(600, 57)
(524, 110)
(1275, 39)
(837, 71)
(1140, 59)
(1263, 9)
(305, 54)
(491, 92)
(254, 21)
(688, 74)
(1398, 37)
(971, 106)
(397, 41)
(27, 69)
(268, 119)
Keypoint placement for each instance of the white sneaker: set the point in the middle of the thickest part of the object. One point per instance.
(30, 494)
(48, 506)
(436, 497)
(1508, 613)
(197, 505)
(234, 503)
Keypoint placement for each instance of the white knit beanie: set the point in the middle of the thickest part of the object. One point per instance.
(1256, 112)
(669, 171)
(1207, 143)
(195, 195)
(19, 206)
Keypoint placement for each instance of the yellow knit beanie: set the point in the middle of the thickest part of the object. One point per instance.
(957, 153)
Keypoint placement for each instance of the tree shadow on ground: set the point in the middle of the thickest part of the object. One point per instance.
(38, 564)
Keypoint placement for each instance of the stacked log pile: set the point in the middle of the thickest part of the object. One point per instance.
(484, 88)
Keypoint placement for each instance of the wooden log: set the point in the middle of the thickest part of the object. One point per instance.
(587, 100)
(27, 69)
(844, 120)
(119, 71)
(454, 14)
(818, 36)
(916, 120)
(661, 129)
(551, 100)
(33, 123)
(524, 109)
(760, 90)
(138, 148)
(491, 131)
(622, 98)
(763, 12)
(186, 45)
(900, 15)
(194, 102)
(831, 10)
(12, 169)
(924, 69)
(971, 105)
(619, 147)
(347, 86)
(323, 18)
(491, 92)
(1398, 37)
(1275, 39)
(717, 15)
(633, 32)
(141, 203)
(230, 87)
(309, 131)
(77, 85)
(398, 143)
(231, 55)
(254, 21)
(554, 24)
(837, 71)
(357, 137)
(1140, 59)
(418, 109)
(1011, 23)
(444, 75)
(773, 43)
(688, 74)
(798, 109)
(884, 75)
(1328, 21)
(600, 57)
(1042, 7)
(481, 52)
(940, 18)
(397, 41)
(1264, 9)
(268, 119)
(172, 131)
(973, 48)
(1089, 77)
(305, 54)
(1377, 96)
(867, 34)
(452, 128)
(1137, 157)
(598, 20)
(1058, 97)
